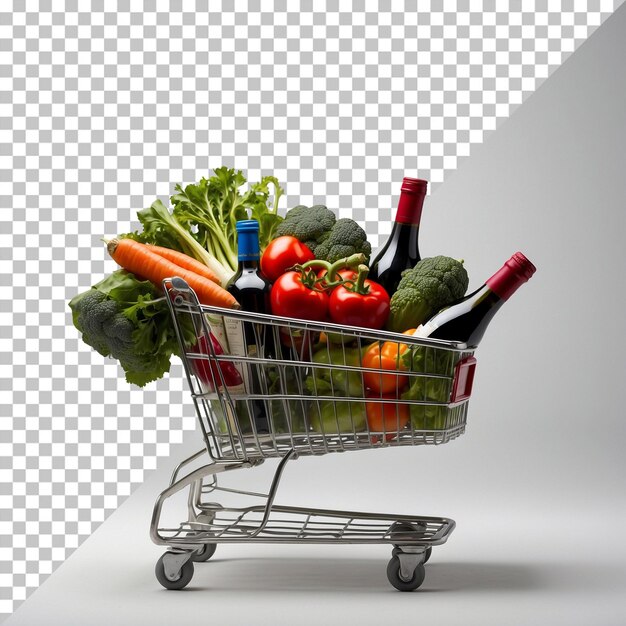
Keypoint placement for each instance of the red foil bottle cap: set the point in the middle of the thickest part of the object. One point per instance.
(511, 276)
(412, 194)
(414, 185)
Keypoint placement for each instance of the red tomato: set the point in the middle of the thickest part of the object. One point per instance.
(290, 298)
(369, 310)
(282, 254)
(385, 416)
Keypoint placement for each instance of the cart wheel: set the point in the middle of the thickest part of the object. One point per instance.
(205, 553)
(393, 574)
(185, 575)
(427, 554)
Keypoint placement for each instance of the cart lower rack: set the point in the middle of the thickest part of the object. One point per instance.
(310, 396)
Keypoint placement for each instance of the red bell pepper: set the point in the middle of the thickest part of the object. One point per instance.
(211, 372)
(359, 302)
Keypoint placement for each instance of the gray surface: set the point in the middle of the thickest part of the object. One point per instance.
(500, 567)
(536, 485)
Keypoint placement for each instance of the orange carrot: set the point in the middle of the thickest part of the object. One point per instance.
(137, 258)
(185, 261)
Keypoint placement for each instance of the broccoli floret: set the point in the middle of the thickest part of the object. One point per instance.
(425, 289)
(124, 318)
(310, 225)
(93, 310)
(120, 328)
(141, 370)
(118, 346)
(327, 237)
(89, 311)
(345, 239)
(105, 328)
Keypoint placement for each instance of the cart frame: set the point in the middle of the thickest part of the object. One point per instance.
(233, 444)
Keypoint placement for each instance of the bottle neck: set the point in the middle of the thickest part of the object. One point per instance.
(410, 207)
(511, 276)
(249, 264)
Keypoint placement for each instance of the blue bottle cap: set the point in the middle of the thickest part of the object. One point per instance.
(247, 226)
(248, 240)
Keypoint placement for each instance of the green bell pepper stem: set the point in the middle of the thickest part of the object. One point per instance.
(358, 285)
(330, 280)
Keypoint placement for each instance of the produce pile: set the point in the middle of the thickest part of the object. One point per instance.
(195, 240)
(318, 267)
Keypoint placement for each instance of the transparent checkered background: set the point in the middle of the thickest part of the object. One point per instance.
(103, 109)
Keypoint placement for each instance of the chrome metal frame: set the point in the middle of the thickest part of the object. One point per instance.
(270, 523)
(296, 389)
(232, 443)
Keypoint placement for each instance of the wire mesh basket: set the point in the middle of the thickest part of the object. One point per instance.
(265, 385)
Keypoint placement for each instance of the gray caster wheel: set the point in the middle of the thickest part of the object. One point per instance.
(208, 549)
(394, 577)
(205, 553)
(405, 527)
(185, 574)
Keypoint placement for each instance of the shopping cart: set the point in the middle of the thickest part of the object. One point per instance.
(302, 393)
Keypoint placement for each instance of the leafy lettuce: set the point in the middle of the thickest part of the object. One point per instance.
(211, 209)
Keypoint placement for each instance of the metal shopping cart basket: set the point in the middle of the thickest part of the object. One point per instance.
(303, 389)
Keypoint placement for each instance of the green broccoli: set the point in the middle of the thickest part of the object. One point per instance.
(345, 239)
(106, 329)
(328, 238)
(424, 289)
(91, 311)
(125, 318)
(310, 225)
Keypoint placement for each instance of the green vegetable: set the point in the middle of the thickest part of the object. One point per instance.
(328, 416)
(308, 224)
(287, 415)
(345, 239)
(428, 417)
(211, 209)
(428, 360)
(337, 417)
(425, 289)
(203, 220)
(339, 381)
(125, 318)
(161, 228)
(328, 238)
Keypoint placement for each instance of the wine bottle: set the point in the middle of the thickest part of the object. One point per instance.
(401, 251)
(467, 319)
(252, 291)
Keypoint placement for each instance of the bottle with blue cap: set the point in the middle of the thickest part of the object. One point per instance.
(252, 291)
(248, 284)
